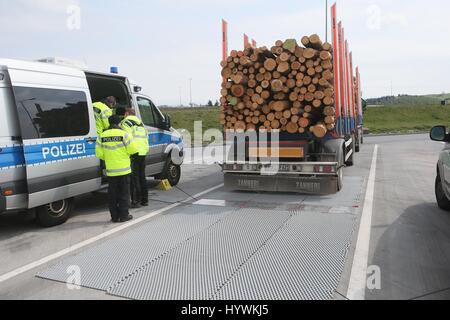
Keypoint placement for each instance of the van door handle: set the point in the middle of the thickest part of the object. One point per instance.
(91, 140)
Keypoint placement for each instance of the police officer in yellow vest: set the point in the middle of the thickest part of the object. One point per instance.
(115, 147)
(103, 111)
(139, 189)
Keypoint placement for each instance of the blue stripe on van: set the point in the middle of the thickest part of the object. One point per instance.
(15, 156)
(58, 151)
(11, 157)
(159, 138)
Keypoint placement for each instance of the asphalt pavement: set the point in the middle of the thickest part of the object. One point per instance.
(410, 240)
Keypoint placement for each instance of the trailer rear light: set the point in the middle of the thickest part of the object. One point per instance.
(8, 192)
(328, 169)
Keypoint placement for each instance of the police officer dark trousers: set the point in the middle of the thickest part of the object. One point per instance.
(115, 147)
(139, 189)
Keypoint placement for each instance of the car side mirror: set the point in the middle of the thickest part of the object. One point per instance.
(439, 133)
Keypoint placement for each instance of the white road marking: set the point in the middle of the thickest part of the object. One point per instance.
(102, 236)
(210, 202)
(358, 279)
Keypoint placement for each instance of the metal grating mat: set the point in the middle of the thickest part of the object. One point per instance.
(349, 196)
(303, 261)
(111, 261)
(262, 250)
(201, 266)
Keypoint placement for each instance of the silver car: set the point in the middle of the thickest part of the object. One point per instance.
(442, 185)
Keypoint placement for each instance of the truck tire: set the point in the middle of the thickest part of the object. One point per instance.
(172, 172)
(441, 197)
(54, 214)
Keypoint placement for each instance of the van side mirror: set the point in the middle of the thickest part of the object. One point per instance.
(439, 133)
(168, 122)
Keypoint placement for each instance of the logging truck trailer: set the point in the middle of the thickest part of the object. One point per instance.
(281, 161)
(293, 163)
(292, 115)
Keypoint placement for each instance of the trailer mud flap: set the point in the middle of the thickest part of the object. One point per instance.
(317, 186)
(2, 203)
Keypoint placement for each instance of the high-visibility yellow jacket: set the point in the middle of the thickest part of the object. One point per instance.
(115, 147)
(134, 126)
(102, 114)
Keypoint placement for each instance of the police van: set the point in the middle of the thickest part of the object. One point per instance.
(48, 136)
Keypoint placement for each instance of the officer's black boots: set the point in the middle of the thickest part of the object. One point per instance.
(129, 218)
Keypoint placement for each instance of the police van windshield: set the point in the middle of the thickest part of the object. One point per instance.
(151, 116)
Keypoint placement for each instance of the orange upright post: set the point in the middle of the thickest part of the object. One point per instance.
(336, 59)
(359, 98)
(348, 81)
(246, 41)
(224, 40)
(353, 90)
(342, 79)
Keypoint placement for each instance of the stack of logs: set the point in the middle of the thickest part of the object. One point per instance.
(288, 87)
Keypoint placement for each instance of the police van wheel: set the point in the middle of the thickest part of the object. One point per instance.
(54, 214)
(173, 174)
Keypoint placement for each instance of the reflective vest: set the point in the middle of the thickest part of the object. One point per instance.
(102, 114)
(134, 126)
(115, 147)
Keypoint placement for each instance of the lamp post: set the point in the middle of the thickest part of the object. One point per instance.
(190, 89)
(326, 20)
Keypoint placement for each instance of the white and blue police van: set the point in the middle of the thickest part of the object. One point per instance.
(48, 136)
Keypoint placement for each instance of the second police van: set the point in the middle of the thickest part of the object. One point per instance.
(48, 136)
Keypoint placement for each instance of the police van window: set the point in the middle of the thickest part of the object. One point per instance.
(145, 107)
(157, 115)
(51, 113)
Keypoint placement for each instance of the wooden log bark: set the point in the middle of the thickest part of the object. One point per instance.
(315, 42)
(286, 88)
(320, 130)
(305, 41)
(280, 106)
(238, 91)
(292, 127)
(277, 85)
(270, 65)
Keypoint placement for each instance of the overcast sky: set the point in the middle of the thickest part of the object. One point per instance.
(163, 43)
